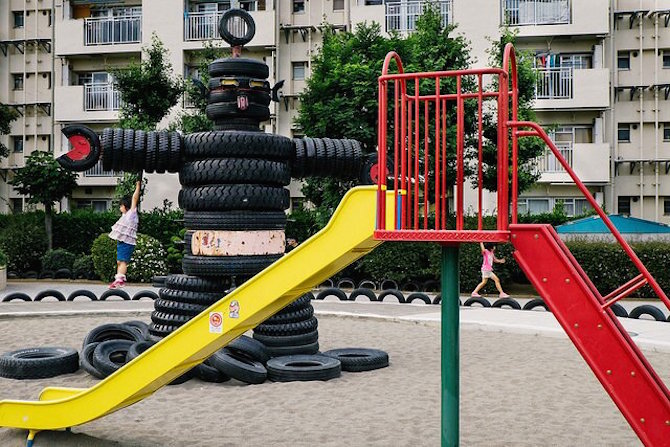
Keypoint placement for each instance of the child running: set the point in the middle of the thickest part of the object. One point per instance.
(124, 232)
(488, 252)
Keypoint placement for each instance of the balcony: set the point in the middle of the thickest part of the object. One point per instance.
(554, 83)
(97, 171)
(102, 96)
(545, 18)
(401, 16)
(548, 163)
(536, 12)
(590, 161)
(86, 103)
(563, 88)
(113, 30)
(203, 26)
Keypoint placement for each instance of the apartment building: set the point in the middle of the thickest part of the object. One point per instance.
(601, 85)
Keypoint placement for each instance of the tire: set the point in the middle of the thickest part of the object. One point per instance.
(195, 284)
(362, 292)
(49, 293)
(238, 125)
(160, 331)
(115, 292)
(299, 158)
(138, 348)
(240, 82)
(418, 296)
(235, 220)
(477, 300)
(303, 368)
(87, 293)
(163, 318)
(112, 331)
(431, 286)
(223, 110)
(158, 279)
(410, 287)
(509, 302)
(249, 347)
(367, 284)
(225, 144)
(287, 340)
(536, 302)
(16, 296)
(63, 274)
(386, 284)
(151, 152)
(128, 152)
(280, 351)
(299, 303)
(290, 317)
(107, 141)
(176, 149)
(326, 283)
(140, 326)
(30, 274)
(208, 373)
(232, 39)
(438, 299)
(219, 95)
(239, 66)
(139, 150)
(86, 361)
(647, 309)
(38, 363)
(205, 299)
(163, 152)
(117, 150)
(335, 291)
(619, 310)
(109, 356)
(391, 292)
(145, 294)
(359, 359)
(300, 327)
(238, 366)
(346, 283)
(46, 274)
(228, 265)
(233, 197)
(178, 308)
(234, 171)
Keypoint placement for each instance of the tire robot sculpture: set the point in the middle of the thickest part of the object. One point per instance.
(232, 190)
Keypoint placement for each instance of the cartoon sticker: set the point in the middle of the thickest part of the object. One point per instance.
(234, 309)
(215, 322)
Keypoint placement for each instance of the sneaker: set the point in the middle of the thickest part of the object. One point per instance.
(475, 295)
(504, 295)
(117, 284)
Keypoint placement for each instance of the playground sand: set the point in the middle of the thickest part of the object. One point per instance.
(516, 390)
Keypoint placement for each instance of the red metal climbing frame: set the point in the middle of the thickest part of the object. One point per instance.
(420, 116)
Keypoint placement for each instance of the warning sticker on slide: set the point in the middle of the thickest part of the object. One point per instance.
(215, 322)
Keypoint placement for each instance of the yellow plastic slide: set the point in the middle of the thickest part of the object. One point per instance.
(347, 237)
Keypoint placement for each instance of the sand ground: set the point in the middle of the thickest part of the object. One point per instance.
(516, 390)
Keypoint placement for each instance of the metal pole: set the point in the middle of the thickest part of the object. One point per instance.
(450, 364)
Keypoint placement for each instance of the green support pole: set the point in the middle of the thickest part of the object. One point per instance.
(450, 364)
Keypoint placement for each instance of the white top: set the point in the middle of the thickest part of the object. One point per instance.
(125, 229)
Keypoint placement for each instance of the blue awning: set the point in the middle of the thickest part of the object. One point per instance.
(625, 225)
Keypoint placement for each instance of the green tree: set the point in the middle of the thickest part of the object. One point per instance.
(44, 181)
(7, 115)
(125, 187)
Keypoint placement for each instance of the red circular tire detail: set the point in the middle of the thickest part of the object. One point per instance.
(374, 173)
(81, 148)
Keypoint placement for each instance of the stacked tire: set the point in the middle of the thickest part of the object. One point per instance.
(136, 150)
(326, 157)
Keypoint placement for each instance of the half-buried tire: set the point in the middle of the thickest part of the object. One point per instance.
(292, 368)
(359, 359)
(38, 363)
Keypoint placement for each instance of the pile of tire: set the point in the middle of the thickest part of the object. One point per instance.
(136, 150)
(326, 157)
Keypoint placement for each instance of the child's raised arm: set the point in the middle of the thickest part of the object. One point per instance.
(481, 245)
(136, 195)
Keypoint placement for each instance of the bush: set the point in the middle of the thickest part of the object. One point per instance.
(24, 245)
(83, 267)
(148, 259)
(175, 252)
(58, 259)
(3, 259)
(400, 261)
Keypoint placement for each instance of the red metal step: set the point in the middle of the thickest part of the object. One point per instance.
(597, 334)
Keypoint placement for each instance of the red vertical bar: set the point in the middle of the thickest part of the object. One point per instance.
(410, 134)
(480, 174)
(381, 159)
(515, 148)
(504, 148)
(445, 203)
(403, 153)
(395, 156)
(459, 154)
(438, 180)
(416, 154)
(426, 179)
(500, 200)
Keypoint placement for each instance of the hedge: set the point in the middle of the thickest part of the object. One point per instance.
(58, 259)
(24, 246)
(148, 259)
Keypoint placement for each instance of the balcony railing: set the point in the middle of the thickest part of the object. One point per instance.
(97, 171)
(536, 12)
(113, 30)
(201, 25)
(101, 97)
(554, 83)
(401, 16)
(548, 163)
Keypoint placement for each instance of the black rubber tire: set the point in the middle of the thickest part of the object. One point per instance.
(290, 317)
(438, 299)
(327, 283)
(253, 349)
(49, 293)
(208, 373)
(163, 318)
(112, 331)
(367, 284)
(234, 171)
(86, 360)
(391, 292)
(287, 340)
(138, 325)
(299, 159)
(139, 150)
(38, 363)
(196, 284)
(230, 144)
(431, 286)
(46, 274)
(418, 296)
(82, 292)
(536, 302)
(334, 291)
(242, 82)
(163, 152)
(145, 294)
(224, 110)
(151, 152)
(228, 265)
(205, 299)
(178, 308)
(107, 147)
(63, 274)
(159, 331)
(239, 66)
(508, 302)
(477, 300)
(647, 309)
(138, 348)
(346, 283)
(230, 38)
(363, 292)
(117, 150)
(300, 327)
(128, 157)
(235, 220)
(109, 356)
(359, 359)
(114, 292)
(158, 279)
(254, 96)
(303, 368)
(16, 296)
(299, 303)
(280, 351)
(176, 150)
(410, 287)
(238, 125)
(30, 274)
(386, 284)
(233, 197)
(238, 366)
(620, 311)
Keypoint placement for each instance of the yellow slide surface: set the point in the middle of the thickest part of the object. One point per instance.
(347, 237)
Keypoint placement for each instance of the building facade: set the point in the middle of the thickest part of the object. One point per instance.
(603, 79)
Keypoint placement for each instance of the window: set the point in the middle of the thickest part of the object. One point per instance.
(299, 70)
(623, 205)
(623, 60)
(666, 132)
(666, 59)
(623, 133)
(298, 6)
(577, 61)
(533, 206)
(98, 206)
(338, 5)
(18, 81)
(18, 19)
(17, 144)
(666, 206)
(17, 206)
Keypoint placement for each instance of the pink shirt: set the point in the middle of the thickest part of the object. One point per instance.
(125, 229)
(487, 265)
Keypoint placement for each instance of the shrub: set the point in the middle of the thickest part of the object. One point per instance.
(24, 245)
(3, 259)
(175, 252)
(83, 267)
(400, 261)
(58, 259)
(148, 259)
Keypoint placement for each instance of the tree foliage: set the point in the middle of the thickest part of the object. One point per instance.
(7, 115)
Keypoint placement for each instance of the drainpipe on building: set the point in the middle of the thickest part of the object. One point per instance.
(641, 37)
(656, 189)
(614, 79)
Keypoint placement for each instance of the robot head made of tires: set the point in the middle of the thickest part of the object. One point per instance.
(233, 183)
